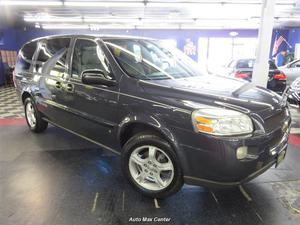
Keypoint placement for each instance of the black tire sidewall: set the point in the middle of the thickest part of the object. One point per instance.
(149, 139)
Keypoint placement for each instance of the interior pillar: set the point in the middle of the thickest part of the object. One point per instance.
(261, 66)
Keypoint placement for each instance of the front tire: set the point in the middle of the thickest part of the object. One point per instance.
(151, 166)
(33, 117)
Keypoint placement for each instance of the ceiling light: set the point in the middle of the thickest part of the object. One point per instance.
(103, 4)
(288, 19)
(31, 3)
(64, 26)
(158, 26)
(95, 27)
(159, 20)
(233, 33)
(111, 19)
(51, 19)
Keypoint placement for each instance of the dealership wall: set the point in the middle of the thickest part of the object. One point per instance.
(14, 38)
(294, 37)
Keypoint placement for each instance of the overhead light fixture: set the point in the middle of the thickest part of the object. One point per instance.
(51, 19)
(95, 27)
(111, 20)
(65, 27)
(135, 20)
(30, 3)
(233, 33)
(158, 26)
(182, 4)
(103, 4)
(288, 19)
(159, 20)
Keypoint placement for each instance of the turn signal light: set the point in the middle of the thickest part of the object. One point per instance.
(204, 128)
(203, 120)
(280, 76)
(204, 124)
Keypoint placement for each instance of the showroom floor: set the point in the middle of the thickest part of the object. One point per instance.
(58, 178)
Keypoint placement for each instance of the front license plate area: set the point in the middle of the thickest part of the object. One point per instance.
(280, 157)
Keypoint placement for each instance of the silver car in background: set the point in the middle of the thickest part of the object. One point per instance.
(291, 70)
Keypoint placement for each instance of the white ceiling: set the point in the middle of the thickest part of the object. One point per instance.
(139, 14)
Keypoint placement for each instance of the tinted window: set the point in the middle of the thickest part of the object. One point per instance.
(249, 63)
(88, 55)
(52, 56)
(24, 60)
(245, 64)
(150, 60)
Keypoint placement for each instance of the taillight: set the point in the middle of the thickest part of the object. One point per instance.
(279, 76)
(242, 75)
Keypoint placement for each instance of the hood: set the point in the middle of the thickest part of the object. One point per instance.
(218, 91)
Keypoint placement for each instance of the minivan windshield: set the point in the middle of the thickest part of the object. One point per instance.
(152, 60)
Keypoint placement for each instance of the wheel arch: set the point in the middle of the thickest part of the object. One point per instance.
(131, 126)
(136, 124)
(25, 94)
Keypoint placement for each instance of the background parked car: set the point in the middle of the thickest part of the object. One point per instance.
(294, 92)
(243, 68)
(292, 71)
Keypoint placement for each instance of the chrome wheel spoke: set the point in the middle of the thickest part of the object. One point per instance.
(141, 177)
(159, 181)
(152, 152)
(164, 166)
(137, 159)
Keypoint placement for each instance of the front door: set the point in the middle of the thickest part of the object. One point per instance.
(93, 109)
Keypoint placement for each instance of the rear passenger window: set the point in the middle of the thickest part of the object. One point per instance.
(52, 56)
(88, 55)
(25, 55)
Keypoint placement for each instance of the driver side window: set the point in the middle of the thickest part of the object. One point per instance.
(88, 55)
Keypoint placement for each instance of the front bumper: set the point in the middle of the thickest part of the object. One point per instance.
(215, 163)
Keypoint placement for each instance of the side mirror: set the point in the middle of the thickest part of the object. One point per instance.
(298, 65)
(96, 77)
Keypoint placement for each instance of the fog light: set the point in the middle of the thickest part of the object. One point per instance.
(242, 152)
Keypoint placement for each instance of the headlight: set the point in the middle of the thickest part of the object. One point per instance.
(222, 122)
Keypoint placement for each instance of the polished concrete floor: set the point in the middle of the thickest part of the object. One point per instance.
(56, 178)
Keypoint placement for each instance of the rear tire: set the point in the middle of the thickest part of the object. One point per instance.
(151, 166)
(33, 117)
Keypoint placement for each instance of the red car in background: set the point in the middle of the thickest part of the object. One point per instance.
(243, 68)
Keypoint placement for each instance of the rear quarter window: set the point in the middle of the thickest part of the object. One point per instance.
(52, 55)
(24, 60)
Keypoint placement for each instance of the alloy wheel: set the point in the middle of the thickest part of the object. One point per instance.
(151, 168)
(30, 114)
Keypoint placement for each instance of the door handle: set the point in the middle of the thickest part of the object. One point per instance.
(70, 87)
(58, 84)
